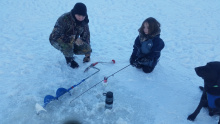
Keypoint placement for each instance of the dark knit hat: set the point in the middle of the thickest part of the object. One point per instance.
(80, 9)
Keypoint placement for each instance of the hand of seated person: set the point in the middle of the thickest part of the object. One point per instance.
(78, 42)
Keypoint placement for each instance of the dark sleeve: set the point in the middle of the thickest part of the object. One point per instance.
(136, 49)
(59, 30)
(158, 45)
(85, 36)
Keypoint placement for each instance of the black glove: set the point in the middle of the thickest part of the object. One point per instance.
(145, 61)
(132, 61)
(135, 63)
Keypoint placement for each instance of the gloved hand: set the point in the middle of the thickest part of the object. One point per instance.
(135, 63)
(72, 37)
(78, 42)
(145, 61)
(132, 61)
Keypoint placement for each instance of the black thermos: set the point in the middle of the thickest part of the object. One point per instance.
(109, 100)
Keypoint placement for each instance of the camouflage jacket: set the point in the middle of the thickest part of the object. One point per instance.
(67, 30)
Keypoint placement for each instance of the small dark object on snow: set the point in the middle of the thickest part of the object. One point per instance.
(72, 122)
(108, 100)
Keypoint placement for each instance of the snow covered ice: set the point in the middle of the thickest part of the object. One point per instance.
(31, 68)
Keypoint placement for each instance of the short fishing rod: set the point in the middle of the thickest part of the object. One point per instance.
(105, 80)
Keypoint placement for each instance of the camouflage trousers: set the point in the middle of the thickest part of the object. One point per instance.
(69, 49)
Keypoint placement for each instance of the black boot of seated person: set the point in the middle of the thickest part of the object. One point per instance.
(86, 59)
(71, 62)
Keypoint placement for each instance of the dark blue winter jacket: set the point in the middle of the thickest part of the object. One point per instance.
(154, 53)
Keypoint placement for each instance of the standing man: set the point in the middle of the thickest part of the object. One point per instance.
(71, 35)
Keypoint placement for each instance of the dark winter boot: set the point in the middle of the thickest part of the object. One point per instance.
(70, 61)
(86, 58)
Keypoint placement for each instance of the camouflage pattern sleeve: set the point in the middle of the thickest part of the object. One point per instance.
(58, 33)
(85, 36)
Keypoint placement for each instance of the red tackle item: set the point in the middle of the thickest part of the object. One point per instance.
(113, 61)
(105, 79)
